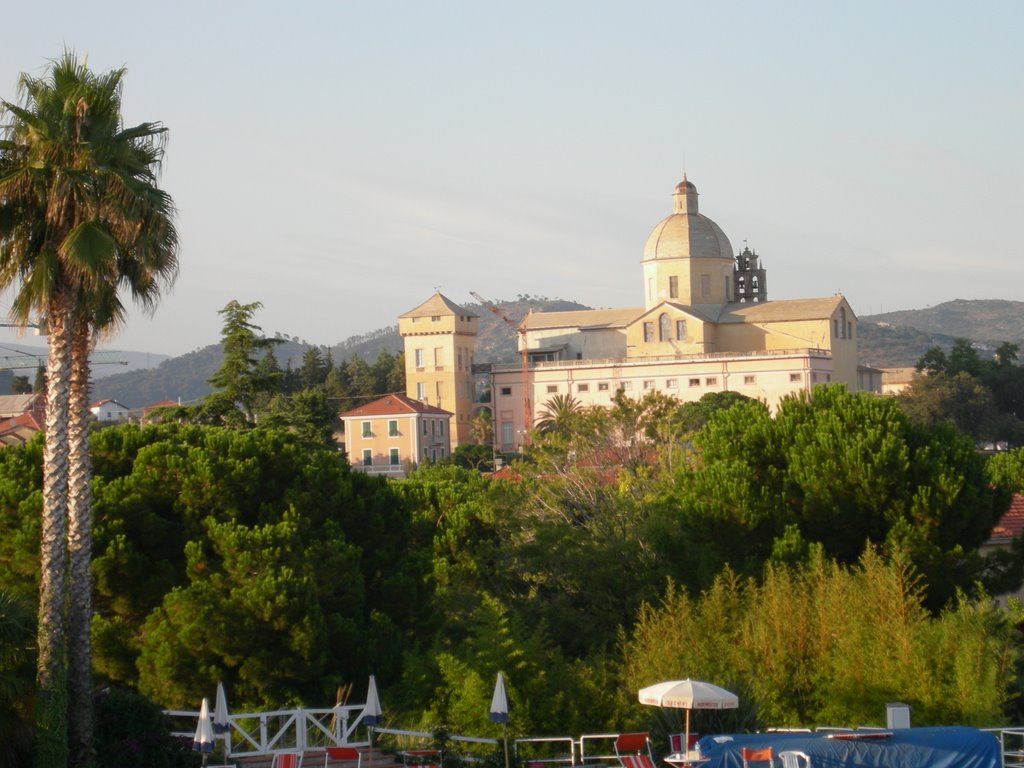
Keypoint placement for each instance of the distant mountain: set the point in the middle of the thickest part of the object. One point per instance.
(894, 339)
(185, 378)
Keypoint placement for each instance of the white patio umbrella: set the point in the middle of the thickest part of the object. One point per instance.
(221, 724)
(203, 740)
(688, 694)
(371, 712)
(499, 711)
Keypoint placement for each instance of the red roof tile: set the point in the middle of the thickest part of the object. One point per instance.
(1011, 524)
(395, 405)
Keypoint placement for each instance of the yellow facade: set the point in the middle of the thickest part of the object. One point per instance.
(706, 326)
(440, 339)
(392, 435)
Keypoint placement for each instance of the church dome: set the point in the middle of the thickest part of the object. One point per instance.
(686, 234)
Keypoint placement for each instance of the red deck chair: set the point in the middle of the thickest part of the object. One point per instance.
(756, 756)
(634, 750)
(287, 760)
(343, 755)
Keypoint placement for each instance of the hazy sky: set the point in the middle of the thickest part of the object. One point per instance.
(338, 161)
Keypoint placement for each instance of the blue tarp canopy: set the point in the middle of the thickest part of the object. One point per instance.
(954, 747)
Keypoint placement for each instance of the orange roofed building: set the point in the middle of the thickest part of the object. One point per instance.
(393, 434)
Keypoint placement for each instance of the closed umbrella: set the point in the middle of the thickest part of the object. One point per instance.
(221, 724)
(371, 712)
(499, 711)
(203, 740)
(688, 694)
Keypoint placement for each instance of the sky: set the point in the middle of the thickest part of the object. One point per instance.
(339, 161)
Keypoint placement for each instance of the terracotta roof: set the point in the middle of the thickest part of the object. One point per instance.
(781, 310)
(395, 405)
(582, 318)
(160, 404)
(12, 405)
(1011, 524)
(18, 430)
(438, 304)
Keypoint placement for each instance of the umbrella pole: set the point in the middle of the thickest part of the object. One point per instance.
(686, 744)
(369, 755)
(504, 738)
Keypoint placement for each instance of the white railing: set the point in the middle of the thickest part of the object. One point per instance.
(262, 733)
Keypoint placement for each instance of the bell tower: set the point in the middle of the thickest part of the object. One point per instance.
(440, 341)
(749, 284)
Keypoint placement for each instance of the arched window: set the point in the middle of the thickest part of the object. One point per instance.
(664, 328)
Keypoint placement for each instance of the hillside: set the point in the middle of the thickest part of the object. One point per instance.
(185, 378)
(900, 338)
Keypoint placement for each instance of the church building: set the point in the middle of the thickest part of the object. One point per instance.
(706, 325)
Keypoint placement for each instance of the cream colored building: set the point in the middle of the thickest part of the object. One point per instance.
(440, 339)
(394, 433)
(706, 326)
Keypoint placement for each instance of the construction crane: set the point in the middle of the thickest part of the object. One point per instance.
(524, 355)
(28, 360)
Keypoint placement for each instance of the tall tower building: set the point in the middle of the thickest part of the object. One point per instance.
(687, 258)
(440, 337)
(749, 284)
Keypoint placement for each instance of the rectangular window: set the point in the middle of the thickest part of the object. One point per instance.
(849, 329)
(795, 377)
(424, 426)
(438, 357)
(694, 382)
(673, 287)
(671, 383)
(437, 392)
(648, 332)
(506, 391)
(748, 379)
(435, 318)
(626, 385)
(705, 286)
(419, 358)
(711, 381)
(602, 386)
(392, 428)
(648, 383)
(506, 433)
(552, 388)
(440, 427)
(814, 376)
(433, 427)
(367, 457)
(582, 387)
(835, 327)
(421, 391)
(680, 330)
(393, 456)
(367, 429)
(460, 358)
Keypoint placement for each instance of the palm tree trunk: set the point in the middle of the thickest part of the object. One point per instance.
(80, 709)
(51, 741)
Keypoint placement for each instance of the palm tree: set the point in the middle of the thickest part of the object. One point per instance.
(80, 217)
(558, 413)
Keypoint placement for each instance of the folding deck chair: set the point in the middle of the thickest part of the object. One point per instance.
(634, 750)
(763, 755)
(795, 759)
(287, 760)
(343, 755)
